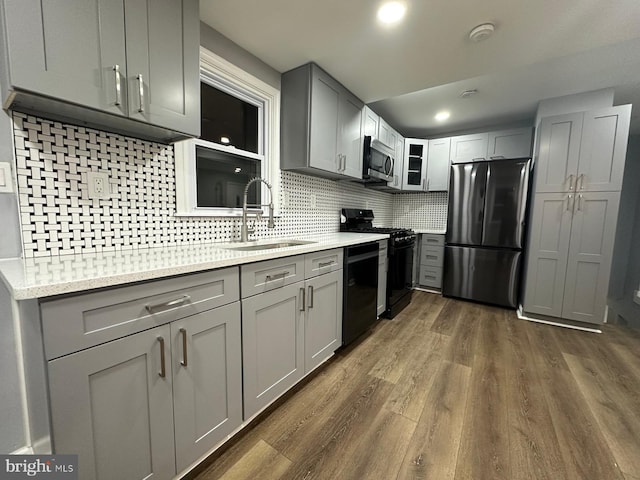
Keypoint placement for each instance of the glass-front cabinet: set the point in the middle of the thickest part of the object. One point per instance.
(415, 164)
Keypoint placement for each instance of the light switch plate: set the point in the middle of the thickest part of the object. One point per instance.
(6, 182)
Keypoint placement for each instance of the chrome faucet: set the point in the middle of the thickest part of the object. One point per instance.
(244, 229)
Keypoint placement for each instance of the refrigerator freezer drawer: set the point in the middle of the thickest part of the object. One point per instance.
(481, 274)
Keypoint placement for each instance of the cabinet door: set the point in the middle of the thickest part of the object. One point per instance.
(438, 165)
(548, 253)
(325, 107)
(414, 169)
(384, 133)
(514, 143)
(398, 167)
(351, 135)
(111, 406)
(323, 322)
(558, 152)
(592, 237)
(604, 149)
(207, 380)
(163, 40)
(272, 345)
(69, 50)
(469, 148)
(370, 121)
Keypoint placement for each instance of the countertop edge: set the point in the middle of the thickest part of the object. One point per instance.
(16, 278)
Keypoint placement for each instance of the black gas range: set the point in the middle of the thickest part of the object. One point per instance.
(400, 256)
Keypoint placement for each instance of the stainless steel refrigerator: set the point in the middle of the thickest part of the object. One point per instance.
(485, 231)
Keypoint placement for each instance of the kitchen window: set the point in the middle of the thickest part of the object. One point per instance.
(240, 130)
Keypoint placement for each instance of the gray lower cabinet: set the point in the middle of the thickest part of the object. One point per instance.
(272, 345)
(570, 253)
(112, 405)
(289, 331)
(207, 381)
(148, 375)
(431, 260)
(82, 59)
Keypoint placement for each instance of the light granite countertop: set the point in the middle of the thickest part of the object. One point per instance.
(44, 277)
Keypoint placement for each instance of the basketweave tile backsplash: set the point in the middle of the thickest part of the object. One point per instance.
(58, 217)
(426, 211)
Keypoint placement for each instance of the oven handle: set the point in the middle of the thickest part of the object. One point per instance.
(361, 257)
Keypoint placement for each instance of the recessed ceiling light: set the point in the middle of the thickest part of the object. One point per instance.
(442, 116)
(225, 140)
(481, 32)
(391, 12)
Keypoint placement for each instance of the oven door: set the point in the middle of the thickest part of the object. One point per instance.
(400, 276)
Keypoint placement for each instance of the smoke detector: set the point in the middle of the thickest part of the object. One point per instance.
(468, 93)
(481, 32)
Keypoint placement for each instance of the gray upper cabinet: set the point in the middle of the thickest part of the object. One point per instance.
(414, 168)
(605, 134)
(112, 405)
(558, 153)
(583, 152)
(438, 165)
(99, 62)
(514, 143)
(469, 148)
(321, 125)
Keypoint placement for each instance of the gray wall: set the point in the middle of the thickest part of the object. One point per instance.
(625, 270)
(220, 45)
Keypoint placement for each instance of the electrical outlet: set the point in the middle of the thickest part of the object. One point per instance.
(406, 209)
(285, 199)
(313, 200)
(98, 185)
(6, 184)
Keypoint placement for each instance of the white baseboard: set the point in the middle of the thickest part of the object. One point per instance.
(522, 316)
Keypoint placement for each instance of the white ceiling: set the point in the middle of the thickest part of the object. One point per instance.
(540, 49)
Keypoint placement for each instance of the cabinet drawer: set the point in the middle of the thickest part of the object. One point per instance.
(432, 240)
(261, 277)
(325, 261)
(433, 256)
(75, 323)
(431, 276)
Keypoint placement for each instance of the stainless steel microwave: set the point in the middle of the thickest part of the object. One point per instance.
(378, 161)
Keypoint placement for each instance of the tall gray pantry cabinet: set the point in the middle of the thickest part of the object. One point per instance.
(79, 59)
(578, 179)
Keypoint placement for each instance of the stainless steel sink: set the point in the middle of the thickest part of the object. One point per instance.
(269, 246)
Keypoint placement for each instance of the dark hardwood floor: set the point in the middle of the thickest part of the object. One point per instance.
(455, 390)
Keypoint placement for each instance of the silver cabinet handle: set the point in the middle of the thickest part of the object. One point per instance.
(183, 362)
(344, 162)
(141, 91)
(276, 276)
(571, 182)
(163, 370)
(424, 184)
(580, 202)
(167, 305)
(477, 159)
(310, 296)
(395, 180)
(496, 157)
(326, 264)
(569, 198)
(428, 181)
(116, 70)
(302, 299)
(581, 180)
(339, 161)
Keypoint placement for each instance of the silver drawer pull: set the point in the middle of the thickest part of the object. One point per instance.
(326, 264)
(276, 276)
(310, 296)
(302, 299)
(431, 256)
(183, 331)
(163, 370)
(496, 157)
(167, 305)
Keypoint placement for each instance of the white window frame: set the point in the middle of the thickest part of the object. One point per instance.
(222, 74)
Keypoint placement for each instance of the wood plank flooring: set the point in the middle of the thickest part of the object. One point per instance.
(455, 390)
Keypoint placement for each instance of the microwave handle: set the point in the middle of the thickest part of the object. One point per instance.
(393, 162)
